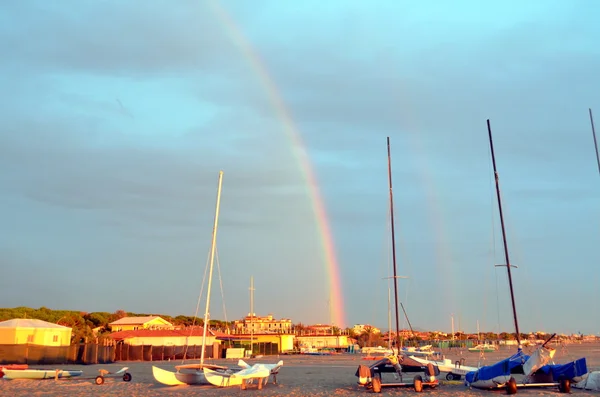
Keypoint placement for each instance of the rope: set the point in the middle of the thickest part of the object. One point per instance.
(493, 242)
(198, 303)
(221, 286)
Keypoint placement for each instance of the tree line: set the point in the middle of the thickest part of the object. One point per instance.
(93, 326)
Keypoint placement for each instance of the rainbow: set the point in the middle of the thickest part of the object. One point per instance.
(299, 150)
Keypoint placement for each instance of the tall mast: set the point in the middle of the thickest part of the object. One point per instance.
(212, 261)
(595, 142)
(508, 266)
(393, 244)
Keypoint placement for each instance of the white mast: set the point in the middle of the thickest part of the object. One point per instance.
(212, 261)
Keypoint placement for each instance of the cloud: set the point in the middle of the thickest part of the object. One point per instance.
(117, 118)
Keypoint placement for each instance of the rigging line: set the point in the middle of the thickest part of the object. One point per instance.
(388, 244)
(404, 256)
(595, 141)
(493, 243)
(221, 286)
(198, 303)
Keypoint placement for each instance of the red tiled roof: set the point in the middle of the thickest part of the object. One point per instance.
(136, 320)
(161, 333)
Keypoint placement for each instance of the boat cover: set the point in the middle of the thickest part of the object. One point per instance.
(591, 381)
(501, 368)
(538, 359)
(569, 371)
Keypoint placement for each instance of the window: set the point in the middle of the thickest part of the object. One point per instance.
(55, 338)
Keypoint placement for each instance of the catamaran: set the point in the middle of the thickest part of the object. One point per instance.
(192, 374)
(537, 372)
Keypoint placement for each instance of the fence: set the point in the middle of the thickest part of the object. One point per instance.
(125, 352)
(83, 353)
(91, 353)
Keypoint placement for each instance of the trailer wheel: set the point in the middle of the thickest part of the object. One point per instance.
(564, 386)
(511, 386)
(127, 377)
(99, 380)
(450, 376)
(418, 383)
(376, 382)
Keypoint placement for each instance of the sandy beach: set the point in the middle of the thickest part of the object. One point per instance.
(300, 376)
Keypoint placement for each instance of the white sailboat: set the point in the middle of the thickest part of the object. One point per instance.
(191, 374)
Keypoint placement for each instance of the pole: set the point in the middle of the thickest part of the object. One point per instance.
(212, 261)
(508, 266)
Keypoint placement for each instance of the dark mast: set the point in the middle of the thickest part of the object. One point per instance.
(393, 245)
(508, 266)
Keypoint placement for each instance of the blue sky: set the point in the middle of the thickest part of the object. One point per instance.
(116, 118)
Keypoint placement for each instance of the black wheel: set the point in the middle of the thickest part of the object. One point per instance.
(564, 386)
(99, 380)
(511, 386)
(127, 377)
(450, 376)
(376, 383)
(418, 383)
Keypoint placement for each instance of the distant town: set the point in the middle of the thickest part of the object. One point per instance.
(261, 332)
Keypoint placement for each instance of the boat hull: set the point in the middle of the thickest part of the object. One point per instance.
(39, 373)
(447, 366)
(495, 383)
(191, 378)
(165, 377)
(256, 371)
(221, 380)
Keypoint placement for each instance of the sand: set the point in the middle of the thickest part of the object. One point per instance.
(300, 376)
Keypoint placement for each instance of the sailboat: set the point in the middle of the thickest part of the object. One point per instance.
(193, 373)
(370, 376)
(591, 381)
(499, 375)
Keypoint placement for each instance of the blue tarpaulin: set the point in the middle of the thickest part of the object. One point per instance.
(567, 371)
(501, 368)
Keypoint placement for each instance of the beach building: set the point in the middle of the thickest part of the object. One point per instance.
(360, 328)
(259, 324)
(319, 341)
(164, 337)
(140, 323)
(34, 332)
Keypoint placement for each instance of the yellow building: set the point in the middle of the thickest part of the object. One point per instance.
(36, 332)
(136, 323)
(284, 341)
(258, 324)
(320, 341)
